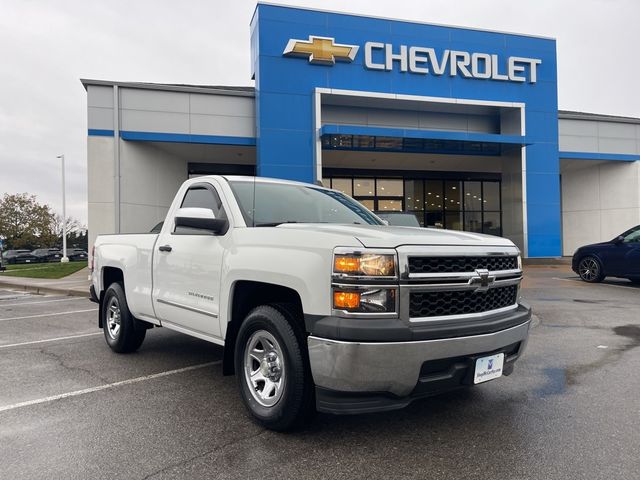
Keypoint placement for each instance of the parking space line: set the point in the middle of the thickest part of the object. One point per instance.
(68, 299)
(583, 283)
(85, 391)
(51, 339)
(47, 315)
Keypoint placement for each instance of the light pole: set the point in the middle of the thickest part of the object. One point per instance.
(64, 258)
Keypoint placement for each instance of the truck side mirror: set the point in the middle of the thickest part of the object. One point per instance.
(201, 219)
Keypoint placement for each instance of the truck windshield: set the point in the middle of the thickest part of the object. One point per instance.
(266, 204)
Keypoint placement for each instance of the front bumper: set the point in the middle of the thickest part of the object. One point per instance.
(388, 375)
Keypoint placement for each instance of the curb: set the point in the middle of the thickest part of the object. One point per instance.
(40, 290)
(546, 262)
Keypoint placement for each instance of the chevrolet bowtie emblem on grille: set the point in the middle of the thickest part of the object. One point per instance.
(482, 279)
(320, 50)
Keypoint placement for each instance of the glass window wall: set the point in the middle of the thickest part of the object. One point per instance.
(470, 205)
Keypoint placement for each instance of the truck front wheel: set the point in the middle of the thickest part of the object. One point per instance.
(122, 331)
(273, 369)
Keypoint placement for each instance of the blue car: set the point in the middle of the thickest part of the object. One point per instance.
(619, 257)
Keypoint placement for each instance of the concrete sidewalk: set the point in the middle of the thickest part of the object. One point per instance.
(76, 284)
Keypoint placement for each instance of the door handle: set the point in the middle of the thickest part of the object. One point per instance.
(165, 248)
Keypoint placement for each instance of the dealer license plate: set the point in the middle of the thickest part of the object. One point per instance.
(488, 368)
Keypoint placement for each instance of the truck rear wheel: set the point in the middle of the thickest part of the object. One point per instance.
(273, 369)
(122, 331)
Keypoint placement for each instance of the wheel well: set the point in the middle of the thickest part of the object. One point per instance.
(247, 295)
(109, 275)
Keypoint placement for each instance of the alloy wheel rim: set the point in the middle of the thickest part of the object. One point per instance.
(114, 318)
(589, 269)
(264, 368)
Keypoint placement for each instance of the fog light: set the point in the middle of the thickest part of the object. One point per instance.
(346, 300)
(374, 300)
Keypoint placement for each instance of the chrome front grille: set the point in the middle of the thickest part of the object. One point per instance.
(443, 284)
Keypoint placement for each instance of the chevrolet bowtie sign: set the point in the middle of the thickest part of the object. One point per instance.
(320, 50)
(419, 60)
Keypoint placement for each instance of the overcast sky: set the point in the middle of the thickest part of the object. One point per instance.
(47, 46)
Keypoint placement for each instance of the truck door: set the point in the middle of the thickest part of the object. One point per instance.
(187, 267)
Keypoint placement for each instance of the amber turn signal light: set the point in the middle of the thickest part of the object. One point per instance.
(346, 300)
(346, 264)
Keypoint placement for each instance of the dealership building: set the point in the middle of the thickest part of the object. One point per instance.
(459, 126)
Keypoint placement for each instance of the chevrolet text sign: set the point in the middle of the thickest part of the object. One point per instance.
(420, 60)
(425, 61)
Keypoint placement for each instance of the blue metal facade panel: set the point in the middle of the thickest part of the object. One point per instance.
(619, 157)
(285, 88)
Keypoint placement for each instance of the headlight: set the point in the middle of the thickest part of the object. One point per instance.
(366, 300)
(365, 264)
(519, 262)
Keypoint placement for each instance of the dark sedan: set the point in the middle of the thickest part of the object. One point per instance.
(619, 257)
(76, 255)
(48, 254)
(11, 257)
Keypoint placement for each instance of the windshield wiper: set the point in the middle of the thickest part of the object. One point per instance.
(273, 224)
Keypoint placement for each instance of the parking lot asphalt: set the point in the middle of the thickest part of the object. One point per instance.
(70, 408)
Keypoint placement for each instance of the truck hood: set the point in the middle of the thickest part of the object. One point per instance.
(382, 236)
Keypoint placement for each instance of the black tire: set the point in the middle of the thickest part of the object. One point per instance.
(590, 269)
(123, 333)
(635, 280)
(287, 367)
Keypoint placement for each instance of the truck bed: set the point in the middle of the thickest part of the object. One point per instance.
(133, 254)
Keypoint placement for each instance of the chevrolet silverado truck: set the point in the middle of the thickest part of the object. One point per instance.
(317, 303)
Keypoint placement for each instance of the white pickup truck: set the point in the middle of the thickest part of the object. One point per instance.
(319, 305)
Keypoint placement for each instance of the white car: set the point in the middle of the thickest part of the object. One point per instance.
(318, 303)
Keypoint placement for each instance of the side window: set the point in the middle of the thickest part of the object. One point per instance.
(201, 197)
(633, 236)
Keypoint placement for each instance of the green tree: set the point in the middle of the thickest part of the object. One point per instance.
(24, 222)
